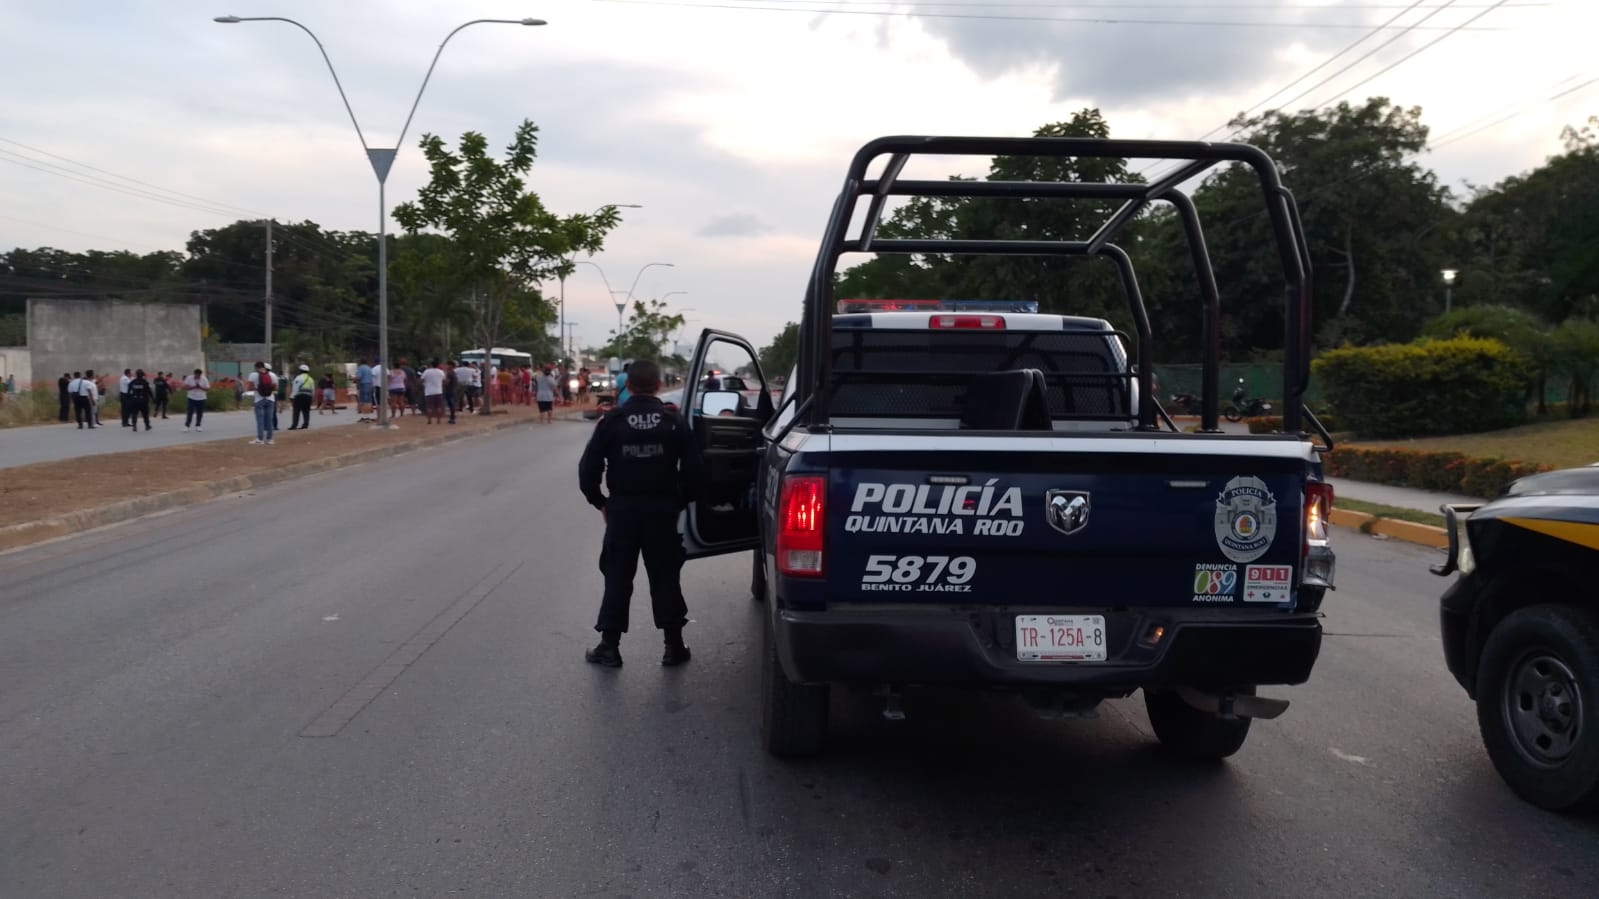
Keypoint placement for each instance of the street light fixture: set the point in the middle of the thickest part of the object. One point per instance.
(562, 272)
(1449, 287)
(380, 158)
(607, 281)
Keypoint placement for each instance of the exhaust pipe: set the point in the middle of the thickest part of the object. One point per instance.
(1233, 705)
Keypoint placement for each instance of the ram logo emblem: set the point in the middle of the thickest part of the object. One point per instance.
(1067, 510)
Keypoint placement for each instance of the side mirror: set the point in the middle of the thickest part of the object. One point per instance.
(722, 402)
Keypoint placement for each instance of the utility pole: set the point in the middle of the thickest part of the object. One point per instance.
(269, 290)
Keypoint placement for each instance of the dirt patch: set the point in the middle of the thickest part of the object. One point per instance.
(49, 489)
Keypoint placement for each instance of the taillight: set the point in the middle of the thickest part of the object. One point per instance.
(800, 520)
(1318, 509)
(989, 322)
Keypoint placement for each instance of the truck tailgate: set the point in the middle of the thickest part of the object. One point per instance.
(1056, 531)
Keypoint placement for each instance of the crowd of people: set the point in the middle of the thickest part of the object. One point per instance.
(139, 396)
(437, 390)
(459, 386)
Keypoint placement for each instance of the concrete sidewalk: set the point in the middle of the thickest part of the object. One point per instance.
(1398, 497)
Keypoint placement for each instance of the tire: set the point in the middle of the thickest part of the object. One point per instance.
(1190, 733)
(1538, 705)
(757, 576)
(1232, 413)
(793, 716)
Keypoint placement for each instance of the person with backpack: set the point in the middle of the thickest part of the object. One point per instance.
(138, 400)
(265, 387)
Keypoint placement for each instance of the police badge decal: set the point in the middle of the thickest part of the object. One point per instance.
(1246, 519)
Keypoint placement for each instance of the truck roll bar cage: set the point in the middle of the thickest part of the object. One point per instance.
(1198, 157)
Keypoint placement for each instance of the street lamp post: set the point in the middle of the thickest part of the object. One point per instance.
(629, 296)
(1449, 287)
(567, 264)
(381, 160)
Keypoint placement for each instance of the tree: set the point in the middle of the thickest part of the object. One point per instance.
(1367, 206)
(1533, 239)
(1517, 329)
(1078, 286)
(502, 240)
(1575, 347)
(777, 357)
(648, 330)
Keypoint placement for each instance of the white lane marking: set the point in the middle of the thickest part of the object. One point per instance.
(1344, 756)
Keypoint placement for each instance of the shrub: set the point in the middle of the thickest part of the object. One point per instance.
(1271, 424)
(1425, 388)
(1446, 472)
(220, 399)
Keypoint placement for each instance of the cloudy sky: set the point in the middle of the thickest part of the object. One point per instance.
(730, 121)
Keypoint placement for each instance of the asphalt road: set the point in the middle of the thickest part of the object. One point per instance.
(370, 683)
(46, 443)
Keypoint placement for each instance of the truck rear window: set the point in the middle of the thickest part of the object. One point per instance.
(923, 374)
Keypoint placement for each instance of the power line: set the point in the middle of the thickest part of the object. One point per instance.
(1396, 63)
(38, 165)
(1451, 137)
(1423, 48)
(1117, 4)
(1325, 63)
(168, 190)
(115, 240)
(994, 17)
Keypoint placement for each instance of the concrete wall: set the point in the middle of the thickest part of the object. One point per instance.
(14, 360)
(110, 335)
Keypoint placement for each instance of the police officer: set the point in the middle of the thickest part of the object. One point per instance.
(137, 400)
(652, 467)
(304, 386)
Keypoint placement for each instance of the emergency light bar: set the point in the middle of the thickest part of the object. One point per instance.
(1019, 306)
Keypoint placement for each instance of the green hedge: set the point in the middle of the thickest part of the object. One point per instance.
(1447, 472)
(1271, 424)
(1424, 388)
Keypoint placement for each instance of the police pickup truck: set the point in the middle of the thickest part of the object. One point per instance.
(973, 494)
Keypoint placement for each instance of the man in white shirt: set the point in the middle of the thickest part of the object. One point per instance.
(196, 384)
(264, 385)
(84, 395)
(433, 392)
(122, 394)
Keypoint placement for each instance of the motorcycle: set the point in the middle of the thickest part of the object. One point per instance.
(1245, 407)
(1185, 404)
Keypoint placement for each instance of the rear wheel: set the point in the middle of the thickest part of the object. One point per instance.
(1191, 733)
(1538, 705)
(1233, 414)
(793, 716)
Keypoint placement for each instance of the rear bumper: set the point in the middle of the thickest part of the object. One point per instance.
(975, 647)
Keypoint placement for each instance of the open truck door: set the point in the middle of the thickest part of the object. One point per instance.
(726, 399)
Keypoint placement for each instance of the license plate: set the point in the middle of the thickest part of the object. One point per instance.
(1060, 638)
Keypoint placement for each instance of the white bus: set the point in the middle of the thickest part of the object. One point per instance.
(502, 357)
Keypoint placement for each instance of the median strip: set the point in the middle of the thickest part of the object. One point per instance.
(47, 500)
(1409, 525)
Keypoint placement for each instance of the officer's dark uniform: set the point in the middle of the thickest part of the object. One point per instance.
(136, 402)
(652, 468)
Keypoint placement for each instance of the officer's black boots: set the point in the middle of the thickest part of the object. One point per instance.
(606, 654)
(676, 652)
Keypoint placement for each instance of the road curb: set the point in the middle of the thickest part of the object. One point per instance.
(26, 533)
(1392, 528)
